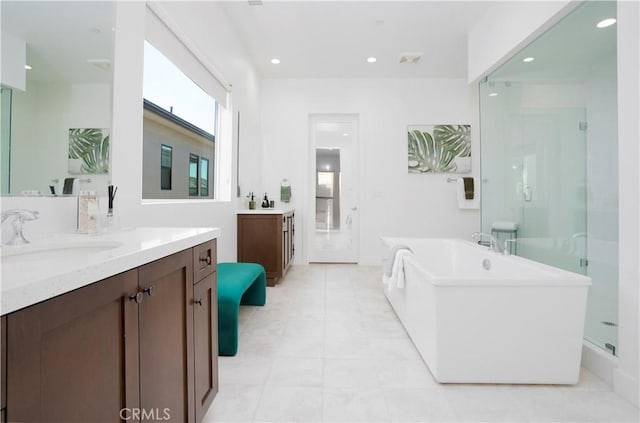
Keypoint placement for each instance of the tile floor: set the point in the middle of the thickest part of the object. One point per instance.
(328, 347)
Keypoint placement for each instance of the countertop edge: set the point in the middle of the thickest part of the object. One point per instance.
(61, 283)
(265, 211)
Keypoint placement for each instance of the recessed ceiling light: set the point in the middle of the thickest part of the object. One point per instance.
(345, 134)
(27, 67)
(605, 23)
(275, 61)
(528, 59)
(371, 59)
(493, 94)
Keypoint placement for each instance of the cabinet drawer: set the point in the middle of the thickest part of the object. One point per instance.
(204, 260)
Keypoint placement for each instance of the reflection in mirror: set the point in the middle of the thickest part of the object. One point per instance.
(56, 77)
(178, 132)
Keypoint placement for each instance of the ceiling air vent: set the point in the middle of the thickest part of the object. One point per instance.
(410, 58)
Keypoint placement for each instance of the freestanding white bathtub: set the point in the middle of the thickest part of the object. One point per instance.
(517, 322)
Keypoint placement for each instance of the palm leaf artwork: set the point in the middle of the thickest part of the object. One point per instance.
(456, 138)
(435, 148)
(91, 147)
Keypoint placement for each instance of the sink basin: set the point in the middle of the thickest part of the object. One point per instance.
(56, 250)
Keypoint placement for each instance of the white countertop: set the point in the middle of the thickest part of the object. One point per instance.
(260, 210)
(30, 278)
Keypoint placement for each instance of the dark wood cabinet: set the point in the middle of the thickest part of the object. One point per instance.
(135, 342)
(288, 232)
(3, 369)
(74, 358)
(267, 239)
(205, 323)
(166, 336)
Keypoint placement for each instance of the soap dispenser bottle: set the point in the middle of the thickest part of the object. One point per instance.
(88, 212)
(265, 202)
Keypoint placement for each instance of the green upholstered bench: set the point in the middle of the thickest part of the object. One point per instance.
(238, 283)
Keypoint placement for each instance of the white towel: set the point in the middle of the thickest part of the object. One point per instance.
(397, 278)
(463, 203)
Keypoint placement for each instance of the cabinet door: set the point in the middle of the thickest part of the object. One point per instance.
(166, 337)
(285, 241)
(205, 322)
(3, 364)
(74, 358)
(260, 241)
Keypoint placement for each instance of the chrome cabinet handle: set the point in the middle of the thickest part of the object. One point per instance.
(149, 290)
(137, 297)
(206, 259)
(198, 301)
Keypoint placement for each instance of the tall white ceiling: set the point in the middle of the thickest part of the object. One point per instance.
(62, 37)
(331, 39)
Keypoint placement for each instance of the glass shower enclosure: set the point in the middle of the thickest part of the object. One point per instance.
(548, 121)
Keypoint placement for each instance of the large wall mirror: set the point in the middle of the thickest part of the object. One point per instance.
(55, 127)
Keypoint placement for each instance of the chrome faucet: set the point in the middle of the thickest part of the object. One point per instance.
(20, 216)
(494, 244)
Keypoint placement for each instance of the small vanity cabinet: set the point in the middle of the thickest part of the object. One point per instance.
(142, 341)
(267, 237)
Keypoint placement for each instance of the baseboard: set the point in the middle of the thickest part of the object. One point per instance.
(605, 365)
(626, 386)
(599, 362)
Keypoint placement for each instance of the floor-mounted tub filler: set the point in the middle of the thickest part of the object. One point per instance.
(477, 316)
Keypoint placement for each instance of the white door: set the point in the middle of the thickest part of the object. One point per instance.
(333, 188)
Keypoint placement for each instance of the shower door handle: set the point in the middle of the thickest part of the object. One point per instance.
(526, 192)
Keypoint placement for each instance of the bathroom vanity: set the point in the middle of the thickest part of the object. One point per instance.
(266, 236)
(111, 326)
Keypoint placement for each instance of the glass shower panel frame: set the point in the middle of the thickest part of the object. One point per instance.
(553, 181)
(549, 156)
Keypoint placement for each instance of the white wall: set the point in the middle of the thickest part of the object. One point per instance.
(626, 377)
(507, 27)
(392, 202)
(503, 30)
(14, 57)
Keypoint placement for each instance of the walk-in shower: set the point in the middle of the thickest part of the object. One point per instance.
(549, 156)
